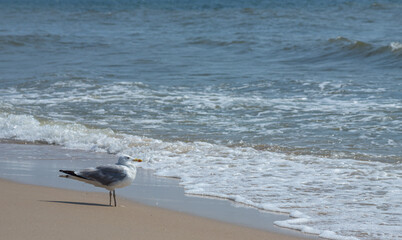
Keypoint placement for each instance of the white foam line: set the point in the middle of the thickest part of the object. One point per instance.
(319, 188)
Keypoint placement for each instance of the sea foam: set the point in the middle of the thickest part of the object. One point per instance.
(396, 46)
(314, 191)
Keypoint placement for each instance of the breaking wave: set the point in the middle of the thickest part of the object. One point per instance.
(341, 50)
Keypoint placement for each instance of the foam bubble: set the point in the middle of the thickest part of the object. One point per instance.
(333, 235)
(395, 46)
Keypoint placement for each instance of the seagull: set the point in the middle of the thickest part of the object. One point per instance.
(109, 177)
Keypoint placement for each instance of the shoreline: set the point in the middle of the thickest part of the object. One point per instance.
(38, 212)
(147, 190)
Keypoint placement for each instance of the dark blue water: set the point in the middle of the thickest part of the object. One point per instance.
(306, 79)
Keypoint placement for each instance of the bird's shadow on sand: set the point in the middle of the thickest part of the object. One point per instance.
(78, 203)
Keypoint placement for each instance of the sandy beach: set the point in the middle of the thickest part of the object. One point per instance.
(35, 200)
(36, 212)
(280, 116)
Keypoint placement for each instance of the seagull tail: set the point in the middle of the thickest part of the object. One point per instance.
(71, 174)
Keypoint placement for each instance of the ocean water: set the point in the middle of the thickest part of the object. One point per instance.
(285, 106)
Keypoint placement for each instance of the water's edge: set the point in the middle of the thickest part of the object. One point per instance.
(38, 164)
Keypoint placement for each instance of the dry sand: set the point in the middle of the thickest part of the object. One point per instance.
(36, 212)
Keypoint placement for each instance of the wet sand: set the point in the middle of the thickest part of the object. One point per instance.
(37, 212)
(30, 211)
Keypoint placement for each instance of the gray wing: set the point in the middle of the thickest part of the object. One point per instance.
(105, 175)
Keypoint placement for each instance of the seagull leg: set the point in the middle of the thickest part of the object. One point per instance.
(110, 198)
(114, 196)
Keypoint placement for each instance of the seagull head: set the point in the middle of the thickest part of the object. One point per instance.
(124, 159)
